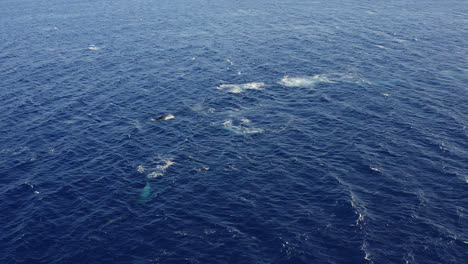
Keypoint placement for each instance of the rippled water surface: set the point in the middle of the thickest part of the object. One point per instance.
(295, 131)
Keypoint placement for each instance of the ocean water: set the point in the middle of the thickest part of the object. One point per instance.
(302, 131)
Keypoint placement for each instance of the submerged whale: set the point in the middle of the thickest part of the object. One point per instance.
(145, 193)
(163, 118)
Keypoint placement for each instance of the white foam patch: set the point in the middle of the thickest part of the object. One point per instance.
(360, 219)
(160, 169)
(367, 255)
(154, 174)
(304, 81)
(311, 81)
(166, 165)
(400, 40)
(93, 47)
(242, 127)
(239, 88)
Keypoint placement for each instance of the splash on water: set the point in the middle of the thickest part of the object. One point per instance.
(93, 47)
(239, 88)
(160, 169)
(310, 81)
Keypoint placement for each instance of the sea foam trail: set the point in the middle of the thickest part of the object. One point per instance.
(239, 88)
(304, 81)
(311, 81)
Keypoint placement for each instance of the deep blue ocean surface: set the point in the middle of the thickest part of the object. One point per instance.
(302, 131)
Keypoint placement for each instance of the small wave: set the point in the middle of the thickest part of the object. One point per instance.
(378, 46)
(239, 88)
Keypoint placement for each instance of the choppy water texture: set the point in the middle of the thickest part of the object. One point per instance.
(303, 131)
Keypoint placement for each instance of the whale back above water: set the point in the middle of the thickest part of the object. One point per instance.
(163, 118)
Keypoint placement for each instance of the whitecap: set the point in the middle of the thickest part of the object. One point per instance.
(227, 123)
(399, 40)
(166, 165)
(93, 47)
(379, 46)
(304, 81)
(239, 88)
(159, 170)
(360, 219)
(154, 174)
(366, 252)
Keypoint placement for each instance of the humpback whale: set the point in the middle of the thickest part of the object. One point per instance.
(163, 118)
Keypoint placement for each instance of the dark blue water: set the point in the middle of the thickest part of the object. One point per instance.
(303, 131)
